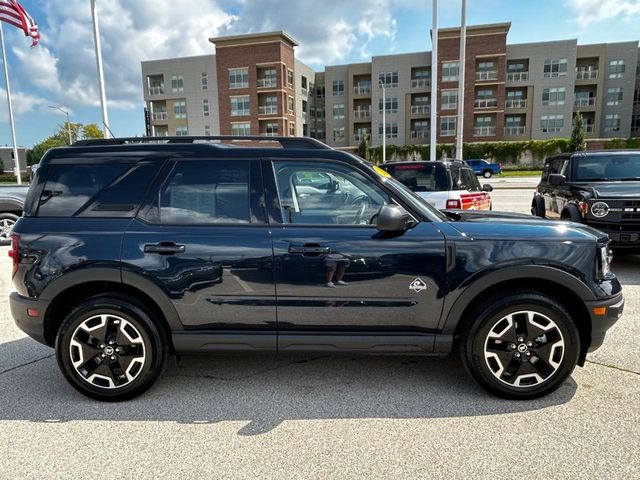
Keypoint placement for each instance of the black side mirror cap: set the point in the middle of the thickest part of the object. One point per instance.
(393, 218)
(487, 188)
(556, 179)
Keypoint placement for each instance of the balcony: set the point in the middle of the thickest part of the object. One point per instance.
(362, 90)
(268, 110)
(487, 75)
(420, 83)
(156, 90)
(159, 116)
(517, 76)
(584, 102)
(267, 82)
(418, 109)
(486, 103)
(586, 74)
(514, 131)
(516, 103)
(420, 134)
(484, 131)
(362, 113)
(589, 128)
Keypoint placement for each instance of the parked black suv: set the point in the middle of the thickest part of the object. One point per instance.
(131, 250)
(601, 189)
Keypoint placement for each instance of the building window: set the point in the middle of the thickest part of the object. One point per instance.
(635, 123)
(320, 113)
(320, 92)
(271, 129)
(304, 84)
(289, 77)
(240, 129)
(391, 130)
(239, 77)
(388, 79)
(182, 131)
(204, 81)
(207, 130)
(616, 69)
(636, 97)
(391, 105)
(614, 96)
(240, 106)
(338, 88)
(449, 100)
(447, 126)
(291, 104)
(292, 129)
(612, 123)
(555, 68)
(304, 106)
(177, 83)
(553, 96)
(338, 111)
(450, 71)
(551, 123)
(180, 109)
(338, 134)
(205, 107)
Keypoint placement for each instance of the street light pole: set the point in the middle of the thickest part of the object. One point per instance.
(384, 121)
(68, 124)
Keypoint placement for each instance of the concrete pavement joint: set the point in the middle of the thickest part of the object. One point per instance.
(26, 364)
(614, 367)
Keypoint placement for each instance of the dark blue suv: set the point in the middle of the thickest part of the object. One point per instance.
(131, 250)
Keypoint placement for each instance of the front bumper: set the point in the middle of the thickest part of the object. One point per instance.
(32, 326)
(621, 236)
(600, 323)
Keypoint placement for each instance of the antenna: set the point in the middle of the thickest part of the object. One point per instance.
(107, 127)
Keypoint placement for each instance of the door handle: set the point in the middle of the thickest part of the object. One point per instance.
(164, 248)
(309, 249)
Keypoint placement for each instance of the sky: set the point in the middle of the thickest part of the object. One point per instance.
(61, 71)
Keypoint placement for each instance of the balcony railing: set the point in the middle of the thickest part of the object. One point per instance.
(159, 115)
(487, 75)
(589, 128)
(486, 103)
(156, 90)
(268, 134)
(516, 103)
(448, 133)
(362, 89)
(267, 82)
(416, 109)
(517, 76)
(584, 102)
(514, 131)
(419, 133)
(362, 113)
(267, 109)
(586, 74)
(420, 83)
(484, 131)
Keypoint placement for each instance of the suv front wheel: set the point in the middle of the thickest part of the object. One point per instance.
(110, 349)
(521, 345)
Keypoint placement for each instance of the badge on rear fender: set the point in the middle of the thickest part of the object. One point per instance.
(418, 285)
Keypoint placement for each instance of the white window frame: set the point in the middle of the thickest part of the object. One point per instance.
(180, 105)
(614, 95)
(242, 129)
(388, 79)
(337, 92)
(243, 112)
(338, 111)
(616, 68)
(233, 73)
(177, 83)
(448, 105)
(451, 71)
(448, 120)
(556, 69)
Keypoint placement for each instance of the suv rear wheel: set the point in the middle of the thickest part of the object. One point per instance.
(521, 346)
(109, 349)
(487, 174)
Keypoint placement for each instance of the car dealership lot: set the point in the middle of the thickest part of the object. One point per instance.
(324, 416)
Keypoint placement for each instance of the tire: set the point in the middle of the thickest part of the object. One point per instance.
(487, 174)
(7, 221)
(546, 341)
(105, 371)
(571, 214)
(537, 207)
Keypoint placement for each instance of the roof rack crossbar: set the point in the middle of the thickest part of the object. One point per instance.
(302, 143)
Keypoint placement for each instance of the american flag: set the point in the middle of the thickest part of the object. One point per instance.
(12, 13)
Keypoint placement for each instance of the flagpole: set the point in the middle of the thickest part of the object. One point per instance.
(13, 128)
(434, 83)
(103, 96)
(460, 122)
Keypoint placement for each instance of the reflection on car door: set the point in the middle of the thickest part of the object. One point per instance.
(336, 273)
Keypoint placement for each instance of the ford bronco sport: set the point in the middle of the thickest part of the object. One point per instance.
(131, 250)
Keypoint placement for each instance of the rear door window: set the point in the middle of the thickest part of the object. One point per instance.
(469, 180)
(421, 177)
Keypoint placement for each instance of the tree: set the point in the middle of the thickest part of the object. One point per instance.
(79, 131)
(92, 130)
(35, 153)
(577, 142)
(363, 147)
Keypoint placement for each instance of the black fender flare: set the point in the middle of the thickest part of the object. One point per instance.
(536, 272)
(574, 212)
(9, 205)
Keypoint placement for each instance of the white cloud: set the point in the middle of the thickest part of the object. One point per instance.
(593, 11)
(22, 103)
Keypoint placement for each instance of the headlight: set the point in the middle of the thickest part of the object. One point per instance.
(604, 262)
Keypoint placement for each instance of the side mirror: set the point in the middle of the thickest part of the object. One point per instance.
(393, 218)
(487, 188)
(556, 179)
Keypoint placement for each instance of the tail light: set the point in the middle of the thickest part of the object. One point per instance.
(454, 204)
(14, 253)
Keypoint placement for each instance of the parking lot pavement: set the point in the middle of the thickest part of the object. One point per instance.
(323, 416)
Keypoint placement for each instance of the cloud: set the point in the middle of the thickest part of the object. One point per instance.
(593, 11)
(22, 103)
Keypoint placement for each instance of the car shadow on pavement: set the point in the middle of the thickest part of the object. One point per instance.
(266, 390)
(627, 268)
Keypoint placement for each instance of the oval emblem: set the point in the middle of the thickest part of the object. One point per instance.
(600, 209)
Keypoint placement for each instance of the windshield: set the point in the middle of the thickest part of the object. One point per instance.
(416, 200)
(603, 168)
(420, 177)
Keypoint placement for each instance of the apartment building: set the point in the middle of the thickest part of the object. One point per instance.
(255, 85)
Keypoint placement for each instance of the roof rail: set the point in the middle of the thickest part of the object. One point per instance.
(303, 143)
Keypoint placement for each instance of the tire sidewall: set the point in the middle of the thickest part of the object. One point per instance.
(487, 174)
(477, 336)
(14, 219)
(155, 349)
